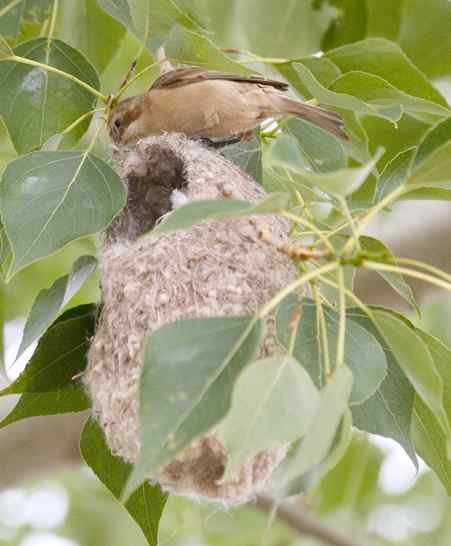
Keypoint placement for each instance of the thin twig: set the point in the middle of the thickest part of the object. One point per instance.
(303, 524)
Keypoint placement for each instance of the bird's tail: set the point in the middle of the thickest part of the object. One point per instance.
(325, 119)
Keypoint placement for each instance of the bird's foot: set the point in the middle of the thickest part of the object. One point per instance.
(218, 144)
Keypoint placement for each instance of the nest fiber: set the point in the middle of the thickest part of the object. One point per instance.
(216, 268)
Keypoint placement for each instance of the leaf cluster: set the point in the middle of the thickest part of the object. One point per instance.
(342, 363)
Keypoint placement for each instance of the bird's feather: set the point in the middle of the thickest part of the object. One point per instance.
(186, 76)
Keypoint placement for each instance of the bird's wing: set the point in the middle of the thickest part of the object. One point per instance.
(186, 76)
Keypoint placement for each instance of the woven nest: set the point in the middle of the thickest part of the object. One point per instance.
(212, 269)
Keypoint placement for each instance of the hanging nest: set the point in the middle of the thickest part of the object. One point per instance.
(216, 268)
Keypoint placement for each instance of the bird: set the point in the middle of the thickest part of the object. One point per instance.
(211, 105)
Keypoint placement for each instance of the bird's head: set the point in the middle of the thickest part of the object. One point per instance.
(122, 117)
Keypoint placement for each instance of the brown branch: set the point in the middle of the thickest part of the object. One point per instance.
(303, 524)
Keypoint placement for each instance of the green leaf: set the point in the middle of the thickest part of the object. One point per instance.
(47, 384)
(59, 357)
(76, 312)
(120, 10)
(5, 50)
(389, 411)
(430, 441)
(279, 401)
(396, 173)
(384, 18)
(188, 47)
(417, 363)
(190, 368)
(27, 11)
(331, 293)
(289, 29)
(54, 143)
(408, 133)
(427, 23)
(36, 104)
(215, 209)
(247, 154)
(50, 302)
(316, 445)
(340, 444)
(86, 27)
(428, 194)
(353, 485)
(363, 353)
(435, 170)
(433, 140)
(321, 151)
(308, 482)
(146, 505)
(150, 22)
(71, 399)
(385, 59)
(395, 280)
(323, 70)
(379, 93)
(344, 100)
(349, 25)
(357, 145)
(48, 199)
(343, 182)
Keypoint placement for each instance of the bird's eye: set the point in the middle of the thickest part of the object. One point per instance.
(117, 123)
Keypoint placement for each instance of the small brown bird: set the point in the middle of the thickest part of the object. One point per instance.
(211, 105)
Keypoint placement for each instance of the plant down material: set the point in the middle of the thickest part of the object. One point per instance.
(216, 268)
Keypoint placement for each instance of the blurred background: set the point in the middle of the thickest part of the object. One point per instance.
(48, 499)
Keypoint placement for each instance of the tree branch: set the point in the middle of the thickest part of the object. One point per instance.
(303, 524)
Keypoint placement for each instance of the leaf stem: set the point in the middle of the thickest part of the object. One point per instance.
(52, 22)
(350, 295)
(376, 266)
(351, 221)
(30, 62)
(293, 326)
(392, 196)
(342, 322)
(9, 7)
(311, 275)
(136, 77)
(323, 333)
(425, 266)
(333, 232)
(72, 126)
(311, 226)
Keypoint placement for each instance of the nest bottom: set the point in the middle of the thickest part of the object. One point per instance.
(197, 473)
